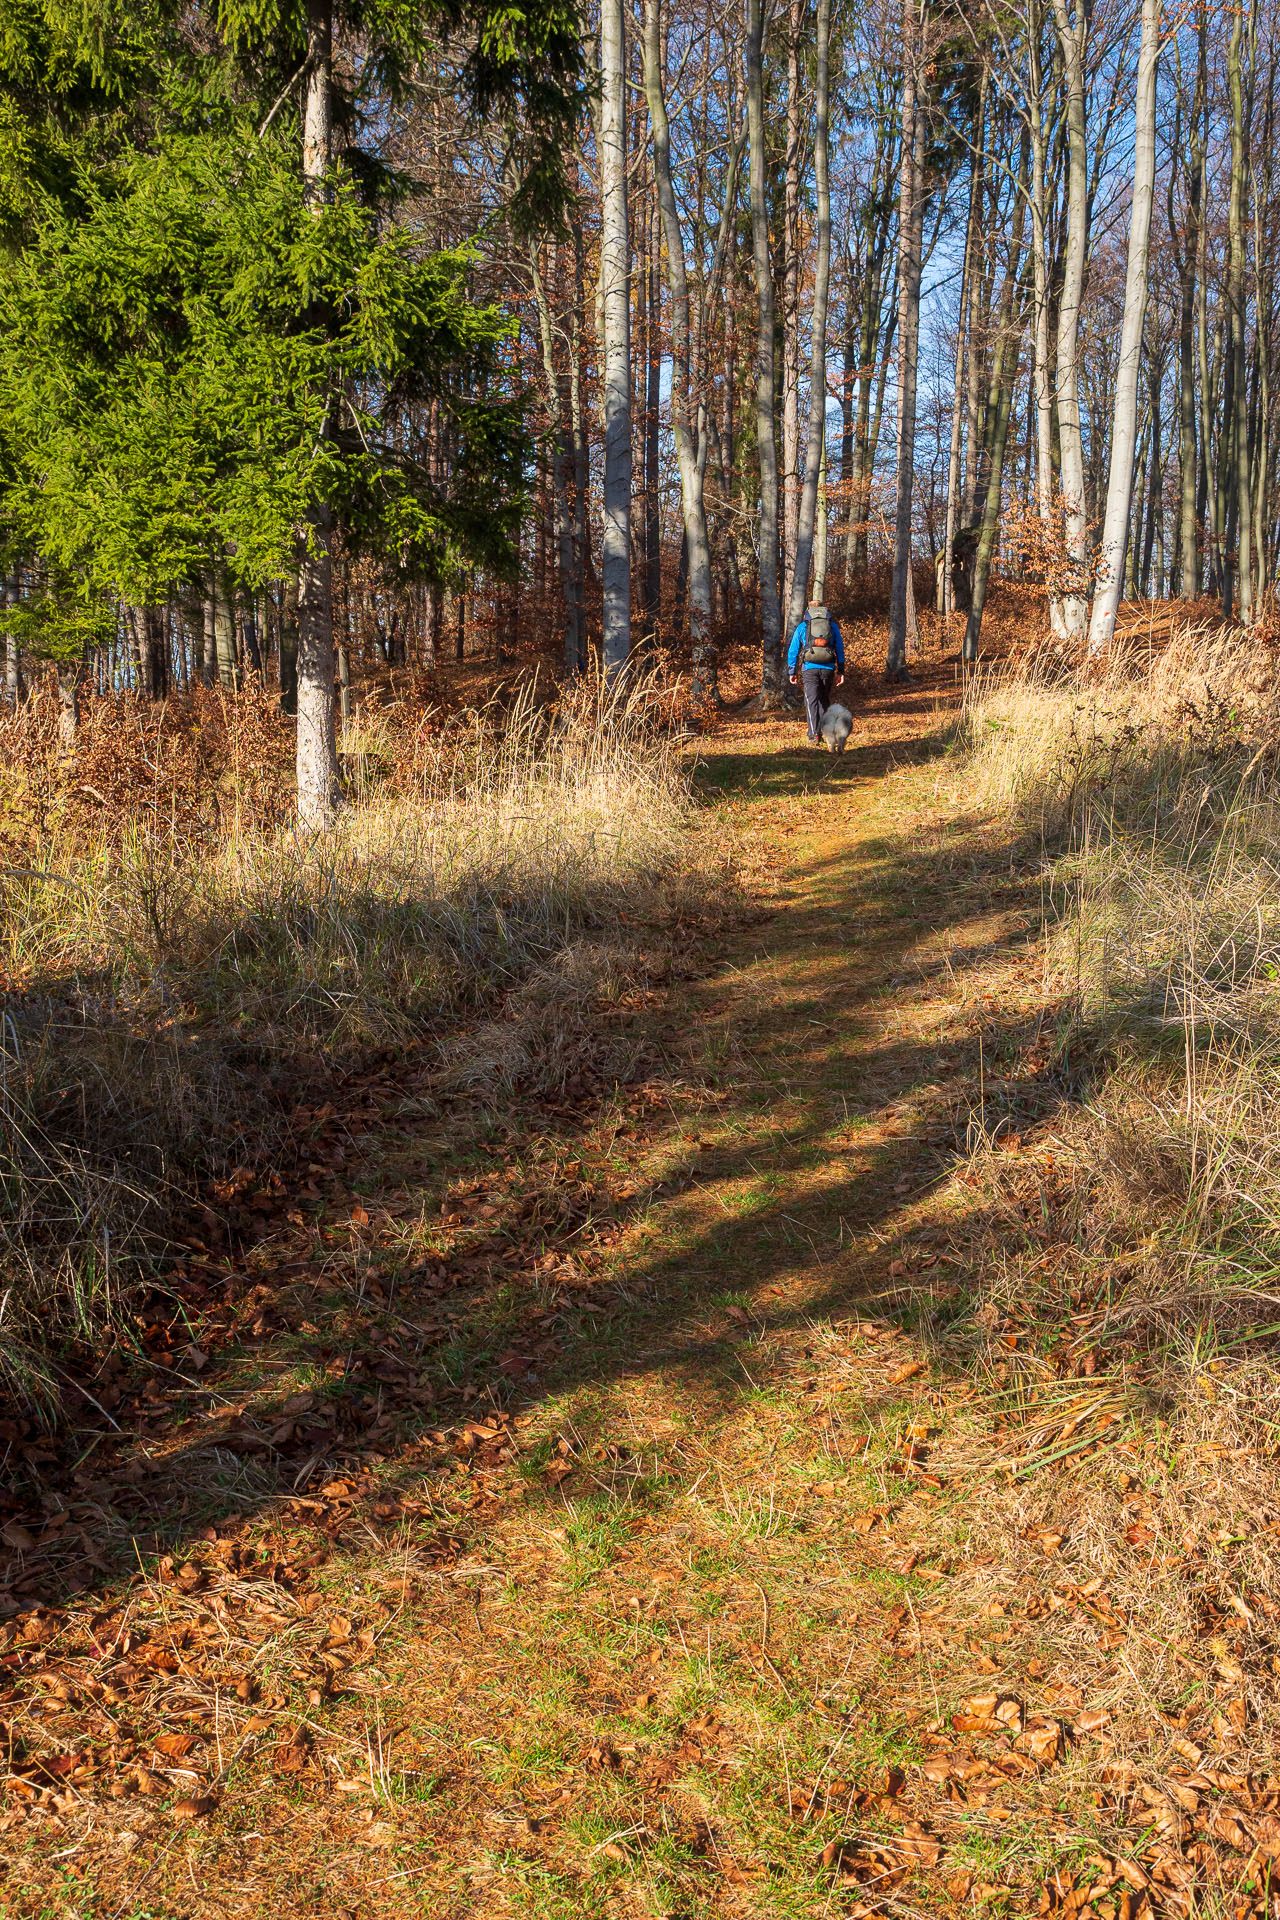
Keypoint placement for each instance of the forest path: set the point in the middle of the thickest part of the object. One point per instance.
(676, 1621)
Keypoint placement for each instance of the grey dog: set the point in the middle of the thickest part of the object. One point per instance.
(837, 725)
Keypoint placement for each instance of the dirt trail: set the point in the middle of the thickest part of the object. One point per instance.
(671, 1608)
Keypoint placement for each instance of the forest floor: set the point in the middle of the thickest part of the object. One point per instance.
(680, 1565)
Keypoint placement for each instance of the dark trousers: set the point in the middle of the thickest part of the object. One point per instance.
(817, 683)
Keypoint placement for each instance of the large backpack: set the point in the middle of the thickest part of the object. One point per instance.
(818, 648)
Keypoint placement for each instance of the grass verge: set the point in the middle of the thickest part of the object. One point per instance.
(179, 979)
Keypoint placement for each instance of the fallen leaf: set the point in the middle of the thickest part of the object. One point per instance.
(192, 1809)
(909, 1372)
(175, 1745)
(916, 1843)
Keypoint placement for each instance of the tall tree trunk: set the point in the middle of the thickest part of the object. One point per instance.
(70, 680)
(1262, 334)
(1151, 536)
(791, 304)
(13, 688)
(578, 432)
(815, 451)
(561, 462)
(848, 374)
(616, 304)
(289, 648)
(1004, 378)
(1124, 418)
(1243, 501)
(224, 628)
(1042, 378)
(153, 652)
(947, 605)
(910, 236)
(652, 430)
(770, 610)
(820, 533)
(318, 777)
(1072, 38)
(690, 454)
(1188, 532)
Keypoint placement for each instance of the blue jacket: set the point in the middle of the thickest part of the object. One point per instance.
(798, 639)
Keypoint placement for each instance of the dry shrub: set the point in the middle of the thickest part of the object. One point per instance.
(172, 989)
(207, 764)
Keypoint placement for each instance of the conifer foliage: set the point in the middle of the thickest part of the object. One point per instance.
(216, 335)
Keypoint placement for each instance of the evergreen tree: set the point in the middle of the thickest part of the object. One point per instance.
(219, 324)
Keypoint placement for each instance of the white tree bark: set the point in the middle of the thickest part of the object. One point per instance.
(816, 447)
(1042, 379)
(1124, 425)
(947, 597)
(767, 446)
(319, 780)
(910, 234)
(1072, 39)
(791, 277)
(616, 316)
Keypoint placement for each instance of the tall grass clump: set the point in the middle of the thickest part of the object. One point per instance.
(1155, 793)
(179, 963)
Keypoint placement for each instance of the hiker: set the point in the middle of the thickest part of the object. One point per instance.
(817, 649)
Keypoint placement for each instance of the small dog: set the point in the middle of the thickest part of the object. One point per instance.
(837, 725)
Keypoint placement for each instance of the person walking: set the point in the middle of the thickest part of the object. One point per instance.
(817, 652)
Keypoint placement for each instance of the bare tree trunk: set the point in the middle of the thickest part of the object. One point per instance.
(1042, 376)
(690, 443)
(815, 452)
(70, 678)
(578, 432)
(791, 306)
(1124, 419)
(155, 652)
(1072, 37)
(770, 610)
(957, 404)
(318, 777)
(1004, 375)
(652, 406)
(224, 629)
(1236, 300)
(344, 685)
(616, 304)
(13, 688)
(289, 648)
(820, 534)
(1188, 532)
(1262, 202)
(560, 466)
(910, 234)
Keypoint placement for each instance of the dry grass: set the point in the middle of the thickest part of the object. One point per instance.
(181, 968)
(1130, 1282)
(1154, 799)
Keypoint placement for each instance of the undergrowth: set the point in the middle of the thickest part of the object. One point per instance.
(180, 964)
(1155, 800)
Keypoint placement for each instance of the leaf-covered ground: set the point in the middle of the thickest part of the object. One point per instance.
(622, 1508)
